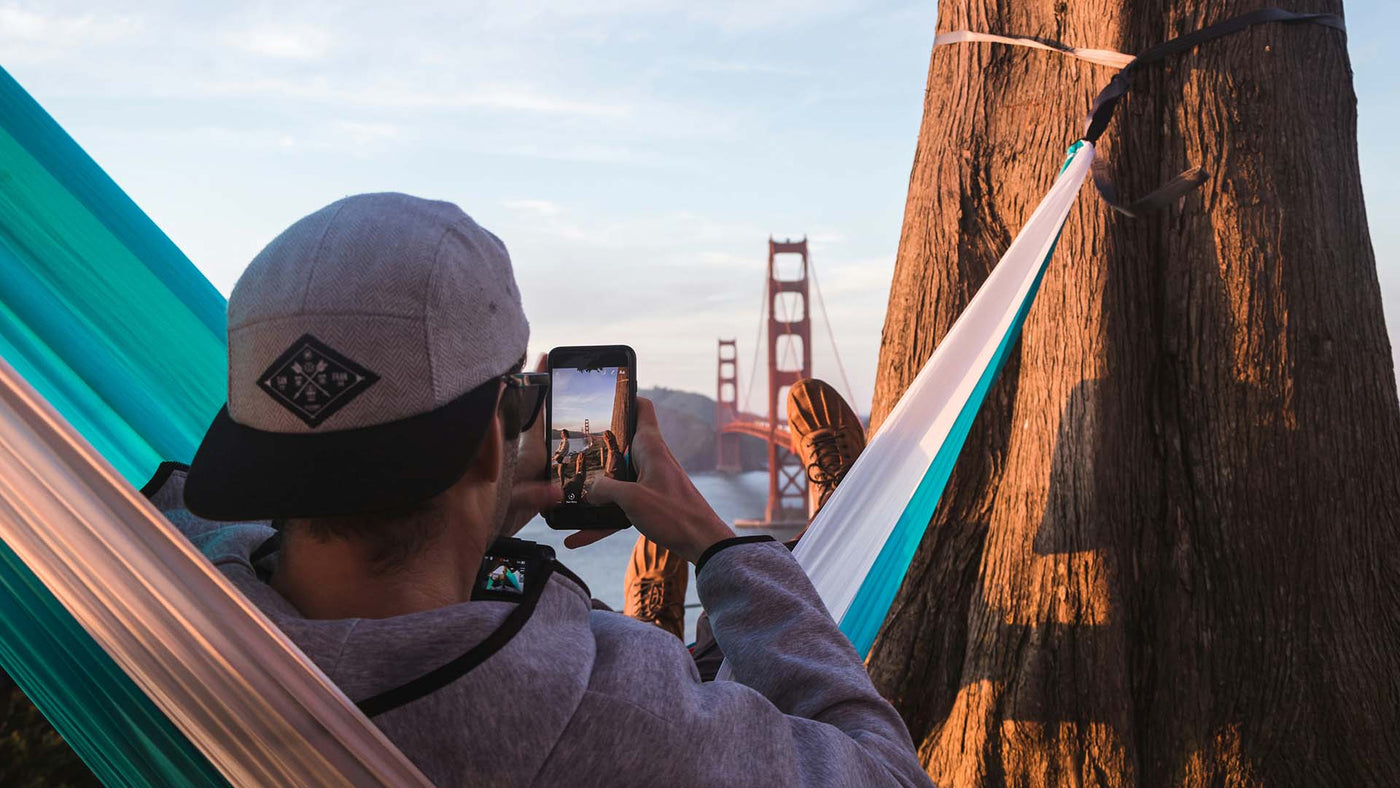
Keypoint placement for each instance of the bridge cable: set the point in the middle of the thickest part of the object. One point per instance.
(831, 334)
(753, 368)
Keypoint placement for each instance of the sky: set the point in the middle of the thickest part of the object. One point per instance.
(578, 394)
(644, 150)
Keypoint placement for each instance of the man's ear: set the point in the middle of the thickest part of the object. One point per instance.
(486, 466)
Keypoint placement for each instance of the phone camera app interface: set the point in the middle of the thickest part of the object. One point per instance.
(589, 428)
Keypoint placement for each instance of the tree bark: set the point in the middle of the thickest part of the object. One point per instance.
(1167, 555)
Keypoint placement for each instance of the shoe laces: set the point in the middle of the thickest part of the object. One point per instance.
(829, 453)
(651, 600)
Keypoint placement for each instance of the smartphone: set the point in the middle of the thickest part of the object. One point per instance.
(590, 417)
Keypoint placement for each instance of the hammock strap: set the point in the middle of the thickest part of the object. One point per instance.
(1101, 112)
(1161, 197)
(1103, 57)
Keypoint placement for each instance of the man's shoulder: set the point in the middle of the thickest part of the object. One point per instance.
(638, 661)
(614, 626)
(221, 542)
(218, 540)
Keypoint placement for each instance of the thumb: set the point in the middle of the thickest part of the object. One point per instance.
(536, 495)
(608, 490)
(646, 415)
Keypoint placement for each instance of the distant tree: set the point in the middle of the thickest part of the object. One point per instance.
(1170, 551)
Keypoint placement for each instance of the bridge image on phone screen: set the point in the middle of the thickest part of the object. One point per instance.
(589, 427)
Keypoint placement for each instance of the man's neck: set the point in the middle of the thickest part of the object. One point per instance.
(336, 579)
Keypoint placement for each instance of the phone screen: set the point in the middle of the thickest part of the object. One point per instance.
(590, 426)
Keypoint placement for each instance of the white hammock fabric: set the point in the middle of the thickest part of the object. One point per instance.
(859, 547)
(227, 678)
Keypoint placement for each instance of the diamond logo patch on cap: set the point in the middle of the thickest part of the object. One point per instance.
(313, 381)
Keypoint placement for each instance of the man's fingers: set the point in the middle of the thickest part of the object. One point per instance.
(542, 363)
(578, 539)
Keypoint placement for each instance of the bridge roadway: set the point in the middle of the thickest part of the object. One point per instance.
(757, 427)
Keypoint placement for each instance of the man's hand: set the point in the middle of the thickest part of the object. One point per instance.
(663, 503)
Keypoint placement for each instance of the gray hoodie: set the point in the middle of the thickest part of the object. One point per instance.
(579, 696)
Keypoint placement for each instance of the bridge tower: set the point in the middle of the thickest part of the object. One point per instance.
(789, 360)
(727, 459)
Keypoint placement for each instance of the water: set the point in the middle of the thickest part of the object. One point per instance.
(576, 442)
(602, 564)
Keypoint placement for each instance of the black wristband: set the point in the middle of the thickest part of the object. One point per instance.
(730, 542)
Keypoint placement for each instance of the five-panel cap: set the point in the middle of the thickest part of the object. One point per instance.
(366, 345)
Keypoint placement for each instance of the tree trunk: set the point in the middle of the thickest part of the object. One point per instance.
(1168, 553)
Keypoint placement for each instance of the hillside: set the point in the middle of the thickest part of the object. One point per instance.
(688, 425)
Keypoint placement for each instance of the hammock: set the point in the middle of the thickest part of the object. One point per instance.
(145, 658)
(98, 309)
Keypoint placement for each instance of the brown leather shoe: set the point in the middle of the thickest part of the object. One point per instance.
(826, 434)
(654, 587)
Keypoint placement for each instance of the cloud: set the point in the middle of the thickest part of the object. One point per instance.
(747, 16)
(730, 16)
(283, 43)
(407, 96)
(22, 25)
(718, 259)
(647, 240)
(854, 277)
(27, 35)
(364, 135)
(341, 136)
(532, 207)
(741, 67)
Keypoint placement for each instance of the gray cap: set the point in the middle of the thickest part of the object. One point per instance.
(369, 323)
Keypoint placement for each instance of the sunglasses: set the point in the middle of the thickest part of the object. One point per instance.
(529, 389)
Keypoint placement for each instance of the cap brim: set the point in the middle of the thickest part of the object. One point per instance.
(242, 473)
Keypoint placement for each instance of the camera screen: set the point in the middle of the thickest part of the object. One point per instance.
(589, 427)
(503, 576)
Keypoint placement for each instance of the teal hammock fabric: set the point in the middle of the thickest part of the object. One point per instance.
(98, 308)
(114, 326)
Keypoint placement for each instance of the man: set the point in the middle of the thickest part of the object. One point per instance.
(372, 418)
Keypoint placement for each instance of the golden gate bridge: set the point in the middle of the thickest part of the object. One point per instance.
(789, 354)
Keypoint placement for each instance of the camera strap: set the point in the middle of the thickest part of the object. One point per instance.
(539, 565)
